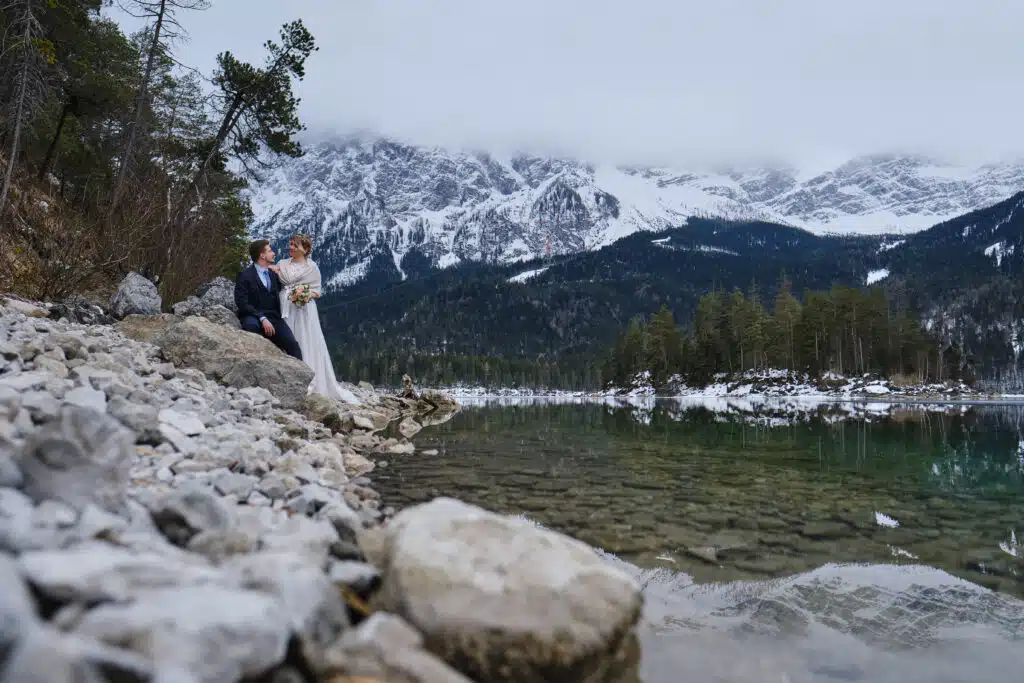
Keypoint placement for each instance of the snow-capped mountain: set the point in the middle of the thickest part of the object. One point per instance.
(363, 198)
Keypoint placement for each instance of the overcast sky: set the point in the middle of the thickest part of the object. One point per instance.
(650, 81)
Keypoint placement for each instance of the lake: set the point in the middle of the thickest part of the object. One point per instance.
(876, 542)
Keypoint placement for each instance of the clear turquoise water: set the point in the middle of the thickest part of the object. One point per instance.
(758, 536)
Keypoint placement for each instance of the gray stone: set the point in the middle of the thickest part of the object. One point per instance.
(25, 381)
(45, 655)
(315, 609)
(386, 648)
(272, 486)
(96, 571)
(17, 608)
(81, 457)
(499, 594)
(51, 513)
(87, 398)
(258, 395)
(135, 296)
(216, 313)
(363, 422)
(10, 473)
(41, 405)
(232, 483)
(294, 466)
(218, 544)
(72, 346)
(278, 530)
(213, 633)
(219, 291)
(409, 427)
(181, 443)
(139, 417)
(189, 425)
(361, 577)
(24, 307)
(8, 351)
(17, 523)
(183, 514)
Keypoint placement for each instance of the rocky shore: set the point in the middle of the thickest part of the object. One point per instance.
(175, 508)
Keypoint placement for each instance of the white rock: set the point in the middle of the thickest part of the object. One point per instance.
(87, 398)
(97, 571)
(189, 425)
(492, 591)
(214, 633)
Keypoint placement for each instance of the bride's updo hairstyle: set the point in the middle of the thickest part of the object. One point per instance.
(304, 242)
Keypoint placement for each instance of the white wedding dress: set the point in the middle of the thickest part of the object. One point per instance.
(304, 322)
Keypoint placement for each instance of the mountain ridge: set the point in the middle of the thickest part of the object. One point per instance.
(364, 198)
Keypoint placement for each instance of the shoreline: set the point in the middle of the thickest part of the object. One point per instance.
(760, 398)
(163, 513)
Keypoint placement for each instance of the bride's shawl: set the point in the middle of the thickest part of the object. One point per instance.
(294, 274)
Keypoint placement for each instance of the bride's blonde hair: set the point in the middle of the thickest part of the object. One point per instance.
(303, 241)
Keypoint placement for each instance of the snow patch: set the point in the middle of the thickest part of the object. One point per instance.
(998, 250)
(876, 276)
(527, 274)
(882, 519)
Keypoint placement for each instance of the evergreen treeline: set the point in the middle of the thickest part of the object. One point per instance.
(846, 330)
(114, 156)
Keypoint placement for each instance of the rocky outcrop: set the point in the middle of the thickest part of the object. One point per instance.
(503, 599)
(238, 359)
(135, 296)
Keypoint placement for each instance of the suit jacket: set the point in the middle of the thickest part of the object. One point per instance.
(252, 298)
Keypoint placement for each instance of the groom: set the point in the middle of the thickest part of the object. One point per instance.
(256, 298)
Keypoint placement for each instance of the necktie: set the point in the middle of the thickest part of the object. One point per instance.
(266, 279)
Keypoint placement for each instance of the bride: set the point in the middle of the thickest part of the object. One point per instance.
(305, 321)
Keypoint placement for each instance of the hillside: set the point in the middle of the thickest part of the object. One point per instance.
(571, 308)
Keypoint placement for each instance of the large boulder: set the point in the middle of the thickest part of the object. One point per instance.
(236, 358)
(135, 296)
(499, 598)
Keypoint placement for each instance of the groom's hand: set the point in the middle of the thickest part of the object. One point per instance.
(268, 328)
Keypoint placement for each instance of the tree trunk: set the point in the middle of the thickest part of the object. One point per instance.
(52, 149)
(140, 101)
(19, 111)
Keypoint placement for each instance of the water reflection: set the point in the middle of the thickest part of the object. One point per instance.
(744, 491)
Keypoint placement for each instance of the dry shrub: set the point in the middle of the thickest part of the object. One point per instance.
(49, 251)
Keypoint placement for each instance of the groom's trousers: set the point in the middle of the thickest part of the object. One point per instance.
(283, 337)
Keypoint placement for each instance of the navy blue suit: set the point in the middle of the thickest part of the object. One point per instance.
(254, 301)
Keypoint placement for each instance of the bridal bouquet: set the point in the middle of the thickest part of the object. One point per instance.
(301, 295)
